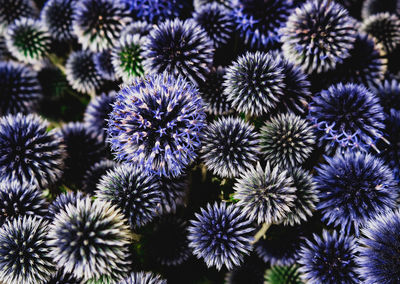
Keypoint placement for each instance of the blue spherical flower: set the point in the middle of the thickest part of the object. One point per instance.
(156, 124)
(155, 11)
(354, 187)
(28, 153)
(254, 83)
(287, 140)
(20, 88)
(57, 16)
(135, 193)
(179, 48)
(391, 154)
(221, 235)
(259, 21)
(378, 251)
(318, 35)
(28, 40)
(347, 116)
(230, 146)
(372, 7)
(217, 21)
(283, 274)
(388, 92)
(143, 278)
(330, 259)
(97, 112)
(385, 28)
(199, 3)
(94, 173)
(60, 277)
(81, 72)
(84, 148)
(89, 239)
(103, 63)
(11, 10)
(61, 202)
(23, 251)
(265, 195)
(141, 28)
(20, 200)
(98, 23)
(173, 192)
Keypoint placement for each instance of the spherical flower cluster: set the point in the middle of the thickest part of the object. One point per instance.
(94, 173)
(143, 278)
(103, 63)
(156, 123)
(61, 202)
(11, 10)
(141, 28)
(160, 10)
(388, 92)
(57, 16)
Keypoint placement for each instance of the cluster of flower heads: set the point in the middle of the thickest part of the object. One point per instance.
(204, 141)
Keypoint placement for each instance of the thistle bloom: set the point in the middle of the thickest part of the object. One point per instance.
(157, 11)
(221, 235)
(156, 123)
(11, 10)
(57, 16)
(103, 63)
(388, 92)
(94, 173)
(61, 202)
(141, 28)
(143, 278)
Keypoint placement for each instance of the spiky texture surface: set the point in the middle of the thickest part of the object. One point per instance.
(11, 10)
(94, 173)
(259, 21)
(287, 140)
(347, 116)
(378, 251)
(391, 154)
(155, 11)
(20, 88)
(143, 278)
(81, 72)
(265, 195)
(84, 148)
(385, 28)
(89, 239)
(388, 92)
(173, 192)
(283, 275)
(103, 63)
(372, 7)
(156, 123)
(24, 252)
(221, 235)
(330, 259)
(141, 28)
(98, 110)
(229, 147)
(354, 187)
(60, 277)
(28, 40)
(254, 83)
(135, 193)
(179, 47)
(211, 90)
(318, 35)
(199, 3)
(127, 57)
(98, 23)
(217, 21)
(28, 153)
(57, 16)
(61, 202)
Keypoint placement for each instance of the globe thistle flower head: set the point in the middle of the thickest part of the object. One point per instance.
(347, 116)
(89, 239)
(155, 11)
(81, 72)
(94, 173)
(143, 278)
(391, 154)
(388, 92)
(221, 235)
(217, 21)
(20, 200)
(283, 274)
(265, 195)
(378, 250)
(24, 252)
(103, 64)
(57, 16)
(127, 57)
(60, 277)
(28, 153)
(179, 48)
(318, 35)
(330, 259)
(20, 88)
(142, 28)
(84, 148)
(97, 112)
(135, 193)
(259, 21)
(199, 3)
(212, 92)
(230, 146)
(173, 191)
(11, 10)
(156, 123)
(372, 7)
(98, 23)
(354, 187)
(28, 40)
(61, 202)
(254, 83)
(385, 28)
(287, 140)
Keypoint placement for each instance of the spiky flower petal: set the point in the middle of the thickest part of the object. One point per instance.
(57, 16)
(141, 28)
(94, 173)
(61, 202)
(103, 63)
(159, 10)
(388, 92)
(11, 10)
(143, 278)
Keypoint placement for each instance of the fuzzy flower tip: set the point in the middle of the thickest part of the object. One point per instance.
(143, 278)
(221, 235)
(156, 123)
